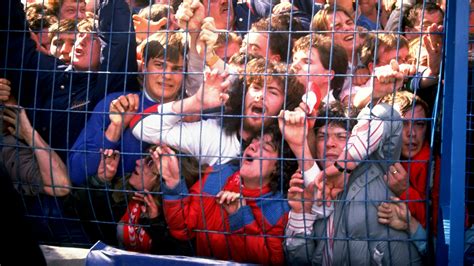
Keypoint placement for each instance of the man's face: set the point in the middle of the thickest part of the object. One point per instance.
(61, 46)
(262, 102)
(72, 9)
(86, 52)
(385, 56)
(163, 80)
(414, 131)
(307, 65)
(422, 25)
(256, 43)
(259, 161)
(222, 11)
(343, 27)
(330, 142)
(428, 19)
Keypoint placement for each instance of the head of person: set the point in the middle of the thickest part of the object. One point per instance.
(368, 7)
(227, 44)
(269, 37)
(40, 18)
(316, 59)
(338, 23)
(418, 53)
(62, 35)
(260, 94)
(155, 13)
(414, 112)
(266, 161)
(163, 65)
(239, 60)
(86, 51)
(380, 49)
(222, 11)
(146, 174)
(332, 130)
(420, 17)
(69, 9)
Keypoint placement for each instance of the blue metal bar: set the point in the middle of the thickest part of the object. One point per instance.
(450, 245)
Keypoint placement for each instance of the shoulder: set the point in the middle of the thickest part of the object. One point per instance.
(274, 206)
(218, 176)
(381, 110)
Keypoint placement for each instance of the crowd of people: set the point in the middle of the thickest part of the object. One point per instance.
(269, 132)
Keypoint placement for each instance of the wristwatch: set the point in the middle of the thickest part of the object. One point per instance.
(341, 169)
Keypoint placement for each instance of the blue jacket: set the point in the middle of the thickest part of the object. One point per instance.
(84, 157)
(60, 95)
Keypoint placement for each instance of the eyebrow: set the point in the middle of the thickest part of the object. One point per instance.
(271, 144)
(274, 88)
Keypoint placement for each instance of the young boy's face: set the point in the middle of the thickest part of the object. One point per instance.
(61, 46)
(330, 142)
(414, 131)
(309, 68)
(261, 102)
(86, 51)
(143, 177)
(163, 78)
(259, 161)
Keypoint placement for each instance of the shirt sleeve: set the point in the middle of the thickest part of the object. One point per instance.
(366, 136)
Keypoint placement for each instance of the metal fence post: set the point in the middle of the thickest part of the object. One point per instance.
(450, 245)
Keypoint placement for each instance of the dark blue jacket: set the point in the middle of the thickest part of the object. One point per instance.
(84, 157)
(60, 95)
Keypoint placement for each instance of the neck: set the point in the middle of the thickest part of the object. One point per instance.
(254, 184)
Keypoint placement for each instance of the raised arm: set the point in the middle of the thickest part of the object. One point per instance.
(386, 79)
(164, 123)
(118, 51)
(53, 170)
(189, 16)
(295, 126)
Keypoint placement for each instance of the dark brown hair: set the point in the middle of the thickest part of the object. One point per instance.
(257, 70)
(161, 44)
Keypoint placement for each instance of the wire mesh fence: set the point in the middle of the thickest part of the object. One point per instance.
(252, 131)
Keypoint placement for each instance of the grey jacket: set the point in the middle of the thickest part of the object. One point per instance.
(358, 237)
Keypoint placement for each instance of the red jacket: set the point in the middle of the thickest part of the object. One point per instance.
(418, 170)
(252, 234)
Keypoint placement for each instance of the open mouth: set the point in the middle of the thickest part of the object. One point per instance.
(257, 110)
(411, 146)
(349, 38)
(248, 159)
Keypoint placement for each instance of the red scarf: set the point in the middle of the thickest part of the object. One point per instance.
(135, 238)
